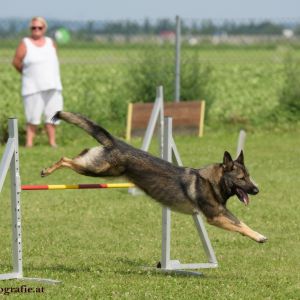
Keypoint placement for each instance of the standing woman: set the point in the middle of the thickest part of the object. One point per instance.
(36, 59)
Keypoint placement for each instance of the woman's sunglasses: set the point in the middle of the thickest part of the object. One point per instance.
(36, 27)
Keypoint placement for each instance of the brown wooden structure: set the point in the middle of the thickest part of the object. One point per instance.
(187, 116)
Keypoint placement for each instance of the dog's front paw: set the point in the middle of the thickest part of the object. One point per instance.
(262, 239)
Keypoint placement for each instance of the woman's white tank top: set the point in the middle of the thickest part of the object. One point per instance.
(40, 68)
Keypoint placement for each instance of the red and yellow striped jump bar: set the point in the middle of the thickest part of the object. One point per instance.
(76, 186)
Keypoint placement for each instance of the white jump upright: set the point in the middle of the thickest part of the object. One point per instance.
(10, 160)
(169, 152)
(157, 115)
(156, 118)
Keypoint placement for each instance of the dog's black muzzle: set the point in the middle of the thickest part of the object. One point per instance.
(253, 191)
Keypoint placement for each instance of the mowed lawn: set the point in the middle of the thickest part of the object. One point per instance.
(98, 241)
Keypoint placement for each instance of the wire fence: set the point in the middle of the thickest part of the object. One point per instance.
(217, 36)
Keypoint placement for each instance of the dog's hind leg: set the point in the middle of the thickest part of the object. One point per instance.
(63, 162)
(89, 162)
(77, 165)
(229, 222)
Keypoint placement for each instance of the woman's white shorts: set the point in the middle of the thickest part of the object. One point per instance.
(44, 102)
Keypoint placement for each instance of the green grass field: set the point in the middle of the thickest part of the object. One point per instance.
(97, 241)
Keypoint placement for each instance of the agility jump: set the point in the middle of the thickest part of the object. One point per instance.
(10, 160)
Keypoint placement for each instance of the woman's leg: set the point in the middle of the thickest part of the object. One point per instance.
(30, 134)
(50, 129)
(33, 106)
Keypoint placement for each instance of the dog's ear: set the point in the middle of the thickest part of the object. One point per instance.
(240, 158)
(227, 161)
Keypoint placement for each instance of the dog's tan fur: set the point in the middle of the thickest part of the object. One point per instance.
(183, 189)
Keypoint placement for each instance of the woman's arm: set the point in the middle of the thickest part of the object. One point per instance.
(19, 56)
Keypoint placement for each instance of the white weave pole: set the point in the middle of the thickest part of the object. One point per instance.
(241, 142)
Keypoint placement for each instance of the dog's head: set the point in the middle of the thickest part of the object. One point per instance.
(236, 178)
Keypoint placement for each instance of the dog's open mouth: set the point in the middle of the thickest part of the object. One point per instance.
(243, 196)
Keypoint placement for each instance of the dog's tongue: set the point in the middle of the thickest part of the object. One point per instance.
(242, 196)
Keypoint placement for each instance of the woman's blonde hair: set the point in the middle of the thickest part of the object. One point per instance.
(41, 19)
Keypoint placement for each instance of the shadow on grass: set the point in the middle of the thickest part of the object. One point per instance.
(142, 268)
(60, 268)
(122, 266)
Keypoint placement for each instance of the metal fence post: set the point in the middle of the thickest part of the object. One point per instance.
(177, 59)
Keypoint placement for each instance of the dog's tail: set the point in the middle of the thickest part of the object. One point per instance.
(96, 131)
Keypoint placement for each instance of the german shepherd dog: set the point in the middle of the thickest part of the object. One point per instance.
(183, 189)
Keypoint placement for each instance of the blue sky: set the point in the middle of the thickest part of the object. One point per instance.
(153, 9)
